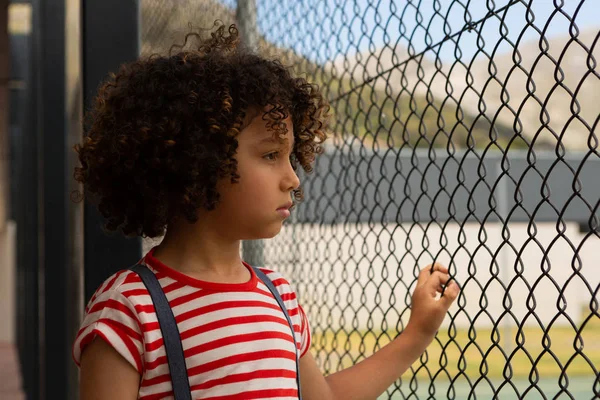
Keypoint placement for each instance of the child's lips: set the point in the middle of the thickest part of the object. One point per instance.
(284, 212)
(285, 206)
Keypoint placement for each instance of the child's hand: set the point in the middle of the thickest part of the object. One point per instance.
(427, 312)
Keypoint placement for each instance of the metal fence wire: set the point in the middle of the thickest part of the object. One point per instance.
(464, 133)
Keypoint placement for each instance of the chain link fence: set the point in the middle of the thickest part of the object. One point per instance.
(463, 133)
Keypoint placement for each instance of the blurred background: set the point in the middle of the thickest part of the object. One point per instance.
(463, 132)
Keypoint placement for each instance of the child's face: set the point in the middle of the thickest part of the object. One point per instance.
(249, 208)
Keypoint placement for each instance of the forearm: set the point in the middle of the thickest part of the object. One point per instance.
(372, 376)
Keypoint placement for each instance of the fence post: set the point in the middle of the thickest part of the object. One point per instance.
(52, 200)
(73, 104)
(246, 22)
(110, 37)
(252, 250)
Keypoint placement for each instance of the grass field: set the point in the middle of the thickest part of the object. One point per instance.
(477, 355)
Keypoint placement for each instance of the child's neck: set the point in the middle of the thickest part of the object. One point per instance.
(202, 253)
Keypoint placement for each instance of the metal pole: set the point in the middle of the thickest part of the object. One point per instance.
(252, 250)
(73, 134)
(246, 21)
(56, 315)
(4, 132)
(110, 37)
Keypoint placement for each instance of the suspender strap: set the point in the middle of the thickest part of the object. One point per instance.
(265, 279)
(170, 333)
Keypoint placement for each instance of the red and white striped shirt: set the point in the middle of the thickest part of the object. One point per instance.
(237, 342)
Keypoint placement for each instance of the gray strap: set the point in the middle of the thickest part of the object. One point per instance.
(170, 333)
(265, 279)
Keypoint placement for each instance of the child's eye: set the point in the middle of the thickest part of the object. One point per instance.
(271, 156)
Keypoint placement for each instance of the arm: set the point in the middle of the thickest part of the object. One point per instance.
(105, 375)
(372, 376)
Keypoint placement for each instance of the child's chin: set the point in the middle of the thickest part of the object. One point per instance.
(271, 233)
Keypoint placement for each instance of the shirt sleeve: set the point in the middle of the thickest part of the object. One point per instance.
(113, 318)
(304, 332)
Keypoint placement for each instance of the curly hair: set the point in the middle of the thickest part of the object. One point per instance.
(162, 131)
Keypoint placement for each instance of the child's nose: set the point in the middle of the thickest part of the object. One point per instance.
(291, 180)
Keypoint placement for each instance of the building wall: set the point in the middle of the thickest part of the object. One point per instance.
(343, 272)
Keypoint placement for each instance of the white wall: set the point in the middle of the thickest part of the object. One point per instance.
(7, 282)
(354, 257)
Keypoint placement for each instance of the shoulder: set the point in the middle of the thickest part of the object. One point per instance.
(282, 284)
(278, 279)
(121, 284)
(112, 313)
(294, 309)
(275, 276)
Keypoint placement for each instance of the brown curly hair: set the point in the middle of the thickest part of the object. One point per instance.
(162, 131)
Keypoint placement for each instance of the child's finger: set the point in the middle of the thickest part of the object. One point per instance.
(450, 294)
(440, 289)
(438, 267)
(428, 270)
(437, 279)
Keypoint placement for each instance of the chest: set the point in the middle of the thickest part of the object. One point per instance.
(231, 345)
(228, 329)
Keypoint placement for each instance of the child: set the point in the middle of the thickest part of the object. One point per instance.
(205, 144)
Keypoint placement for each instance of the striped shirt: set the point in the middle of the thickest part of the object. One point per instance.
(237, 342)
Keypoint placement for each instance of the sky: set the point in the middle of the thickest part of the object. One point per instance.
(325, 29)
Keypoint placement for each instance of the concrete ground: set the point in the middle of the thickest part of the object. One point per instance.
(10, 378)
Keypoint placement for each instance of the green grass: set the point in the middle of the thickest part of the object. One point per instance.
(477, 354)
